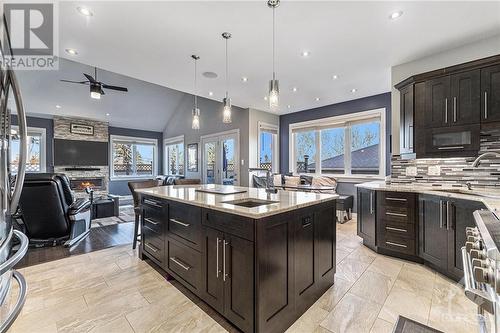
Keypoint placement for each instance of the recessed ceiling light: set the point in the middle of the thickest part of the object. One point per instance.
(210, 75)
(353, 90)
(58, 106)
(265, 98)
(317, 99)
(289, 106)
(395, 15)
(210, 93)
(72, 52)
(107, 114)
(335, 77)
(244, 79)
(84, 11)
(305, 53)
(294, 89)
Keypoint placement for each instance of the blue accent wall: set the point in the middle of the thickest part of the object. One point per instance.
(353, 106)
(49, 132)
(120, 187)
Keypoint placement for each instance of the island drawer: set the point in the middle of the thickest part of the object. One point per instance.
(396, 214)
(184, 224)
(232, 224)
(185, 263)
(153, 244)
(395, 241)
(396, 200)
(153, 203)
(152, 220)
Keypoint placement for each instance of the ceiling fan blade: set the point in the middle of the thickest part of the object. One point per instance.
(90, 78)
(114, 87)
(78, 82)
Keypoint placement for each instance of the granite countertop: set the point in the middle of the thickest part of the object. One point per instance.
(490, 198)
(286, 200)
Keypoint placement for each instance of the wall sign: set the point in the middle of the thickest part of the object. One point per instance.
(81, 129)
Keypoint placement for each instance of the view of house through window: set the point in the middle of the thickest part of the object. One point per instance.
(268, 147)
(175, 158)
(36, 151)
(133, 159)
(344, 148)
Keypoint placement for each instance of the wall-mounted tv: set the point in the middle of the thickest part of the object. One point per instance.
(78, 153)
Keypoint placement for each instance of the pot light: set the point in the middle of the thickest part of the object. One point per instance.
(58, 106)
(317, 99)
(294, 89)
(396, 15)
(353, 90)
(107, 114)
(335, 77)
(244, 79)
(72, 52)
(85, 11)
(210, 93)
(305, 53)
(289, 106)
(210, 75)
(265, 98)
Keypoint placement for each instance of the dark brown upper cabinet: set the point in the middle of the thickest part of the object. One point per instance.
(441, 109)
(490, 94)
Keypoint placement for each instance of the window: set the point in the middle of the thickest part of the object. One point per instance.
(268, 147)
(345, 145)
(174, 156)
(133, 157)
(36, 150)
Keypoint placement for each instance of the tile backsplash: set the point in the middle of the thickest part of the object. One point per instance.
(451, 171)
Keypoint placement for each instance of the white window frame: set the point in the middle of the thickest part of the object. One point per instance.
(133, 140)
(172, 141)
(337, 121)
(266, 127)
(42, 132)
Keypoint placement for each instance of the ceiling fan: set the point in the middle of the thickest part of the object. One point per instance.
(96, 87)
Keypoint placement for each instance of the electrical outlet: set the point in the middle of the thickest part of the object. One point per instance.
(411, 171)
(434, 170)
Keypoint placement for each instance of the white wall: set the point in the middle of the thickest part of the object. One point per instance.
(481, 49)
(254, 116)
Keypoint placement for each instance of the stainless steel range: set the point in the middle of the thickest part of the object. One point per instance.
(481, 259)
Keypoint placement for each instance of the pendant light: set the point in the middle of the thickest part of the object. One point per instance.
(226, 113)
(274, 90)
(196, 112)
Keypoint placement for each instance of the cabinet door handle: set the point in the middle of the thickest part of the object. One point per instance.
(224, 274)
(180, 222)
(371, 202)
(217, 260)
(396, 244)
(153, 222)
(395, 199)
(448, 216)
(152, 248)
(180, 263)
(451, 148)
(446, 110)
(485, 105)
(396, 229)
(395, 214)
(454, 109)
(441, 225)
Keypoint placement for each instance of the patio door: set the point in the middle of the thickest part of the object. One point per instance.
(220, 158)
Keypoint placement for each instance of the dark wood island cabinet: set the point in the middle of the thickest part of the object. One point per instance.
(259, 271)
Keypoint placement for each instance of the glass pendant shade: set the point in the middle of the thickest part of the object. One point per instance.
(274, 94)
(196, 119)
(226, 112)
(95, 91)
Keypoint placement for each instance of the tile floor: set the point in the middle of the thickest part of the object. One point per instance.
(113, 291)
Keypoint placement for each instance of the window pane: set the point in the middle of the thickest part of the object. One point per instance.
(228, 162)
(34, 158)
(305, 152)
(144, 156)
(122, 159)
(332, 150)
(365, 157)
(175, 159)
(266, 150)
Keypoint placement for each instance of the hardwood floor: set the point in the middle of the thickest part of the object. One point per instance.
(98, 239)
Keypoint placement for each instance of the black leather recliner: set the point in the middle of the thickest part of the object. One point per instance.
(50, 212)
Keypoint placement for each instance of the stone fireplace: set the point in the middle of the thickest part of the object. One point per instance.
(79, 176)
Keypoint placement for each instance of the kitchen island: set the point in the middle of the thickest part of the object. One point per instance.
(259, 259)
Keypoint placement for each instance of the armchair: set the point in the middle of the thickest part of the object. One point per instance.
(50, 212)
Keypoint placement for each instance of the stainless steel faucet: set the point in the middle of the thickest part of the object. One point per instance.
(477, 161)
(269, 183)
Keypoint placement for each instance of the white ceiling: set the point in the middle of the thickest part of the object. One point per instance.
(357, 41)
